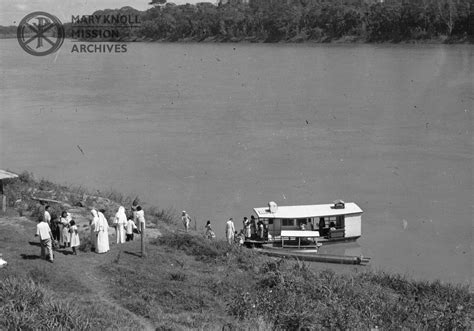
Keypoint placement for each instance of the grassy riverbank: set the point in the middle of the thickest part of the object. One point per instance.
(187, 282)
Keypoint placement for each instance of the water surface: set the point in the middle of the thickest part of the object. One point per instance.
(218, 129)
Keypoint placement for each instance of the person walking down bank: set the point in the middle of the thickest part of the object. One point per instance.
(43, 231)
(75, 242)
(120, 221)
(102, 231)
(229, 231)
(186, 220)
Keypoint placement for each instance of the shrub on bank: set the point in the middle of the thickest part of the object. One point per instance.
(194, 245)
(294, 297)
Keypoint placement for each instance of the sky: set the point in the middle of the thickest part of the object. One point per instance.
(12, 11)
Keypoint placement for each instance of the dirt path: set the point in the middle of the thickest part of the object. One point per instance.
(21, 250)
(98, 286)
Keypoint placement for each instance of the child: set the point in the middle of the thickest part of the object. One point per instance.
(74, 236)
(129, 227)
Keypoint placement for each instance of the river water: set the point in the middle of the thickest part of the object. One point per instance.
(218, 129)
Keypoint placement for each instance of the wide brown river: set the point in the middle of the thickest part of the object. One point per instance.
(218, 129)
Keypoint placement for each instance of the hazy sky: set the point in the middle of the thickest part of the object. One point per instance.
(12, 11)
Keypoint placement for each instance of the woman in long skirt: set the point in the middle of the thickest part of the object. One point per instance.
(102, 231)
(119, 221)
(65, 237)
(93, 224)
(75, 242)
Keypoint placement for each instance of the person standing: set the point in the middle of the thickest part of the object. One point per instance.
(186, 220)
(120, 221)
(65, 237)
(47, 215)
(75, 242)
(229, 231)
(140, 218)
(93, 224)
(247, 228)
(102, 230)
(253, 225)
(43, 231)
(129, 227)
(209, 233)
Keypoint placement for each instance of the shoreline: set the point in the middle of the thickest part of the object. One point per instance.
(188, 282)
(346, 40)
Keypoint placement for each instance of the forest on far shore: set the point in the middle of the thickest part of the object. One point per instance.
(293, 21)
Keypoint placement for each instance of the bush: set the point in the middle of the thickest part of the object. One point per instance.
(194, 245)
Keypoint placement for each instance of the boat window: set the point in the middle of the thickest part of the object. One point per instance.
(270, 221)
(288, 222)
(338, 220)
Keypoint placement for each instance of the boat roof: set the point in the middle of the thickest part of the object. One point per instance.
(306, 211)
(7, 174)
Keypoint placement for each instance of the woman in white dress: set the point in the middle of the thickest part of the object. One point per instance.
(65, 236)
(120, 221)
(102, 230)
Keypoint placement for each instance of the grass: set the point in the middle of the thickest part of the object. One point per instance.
(189, 282)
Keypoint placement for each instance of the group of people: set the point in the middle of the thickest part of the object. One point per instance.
(252, 229)
(63, 231)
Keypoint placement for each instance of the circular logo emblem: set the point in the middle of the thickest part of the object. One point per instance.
(40, 33)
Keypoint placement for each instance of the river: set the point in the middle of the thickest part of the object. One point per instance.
(218, 129)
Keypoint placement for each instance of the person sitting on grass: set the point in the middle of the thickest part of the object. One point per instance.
(75, 242)
(43, 231)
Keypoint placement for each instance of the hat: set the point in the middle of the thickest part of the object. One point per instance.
(245, 218)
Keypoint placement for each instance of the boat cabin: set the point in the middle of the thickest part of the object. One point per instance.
(334, 222)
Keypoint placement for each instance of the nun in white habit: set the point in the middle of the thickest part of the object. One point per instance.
(93, 224)
(120, 221)
(102, 230)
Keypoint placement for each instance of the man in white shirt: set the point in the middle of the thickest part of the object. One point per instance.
(43, 231)
(47, 215)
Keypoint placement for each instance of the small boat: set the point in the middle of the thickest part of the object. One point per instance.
(312, 256)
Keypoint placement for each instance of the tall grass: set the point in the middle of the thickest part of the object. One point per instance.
(294, 297)
(25, 305)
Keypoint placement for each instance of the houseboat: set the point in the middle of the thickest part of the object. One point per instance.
(296, 232)
(324, 223)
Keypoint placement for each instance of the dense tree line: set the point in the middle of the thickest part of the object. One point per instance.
(304, 20)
